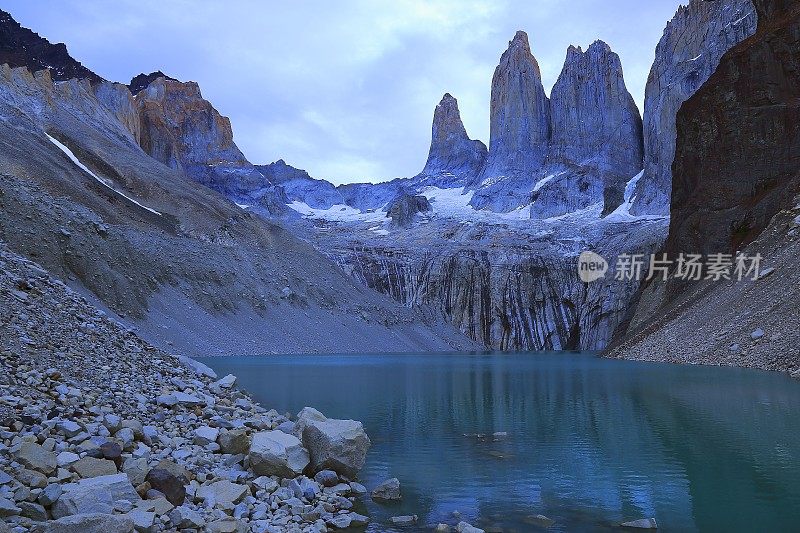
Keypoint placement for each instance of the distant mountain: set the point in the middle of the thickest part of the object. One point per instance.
(21, 47)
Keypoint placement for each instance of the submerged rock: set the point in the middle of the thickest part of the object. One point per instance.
(389, 490)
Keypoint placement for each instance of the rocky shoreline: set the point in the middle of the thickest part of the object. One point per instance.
(99, 431)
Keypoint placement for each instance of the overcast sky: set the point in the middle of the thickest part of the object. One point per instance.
(344, 89)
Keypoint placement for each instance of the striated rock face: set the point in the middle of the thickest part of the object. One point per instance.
(119, 100)
(688, 53)
(737, 161)
(453, 158)
(20, 47)
(567, 153)
(736, 186)
(595, 122)
(519, 117)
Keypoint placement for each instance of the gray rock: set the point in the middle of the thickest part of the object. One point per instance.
(136, 469)
(757, 334)
(276, 453)
(223, 492)
(519, 116)
(338, 445)
(464, 527)
(34, 511)
(453, 158)
(327, 478)
(67, 458)
(227, 382)
(642, 523)
(189, 400)
(168, 484)
(94, 495)
(33, 456)
(404, 520)
(185, 518)
(50, 494)
(234, 441)
(389, 490)
(205, 435)
(90, 523)
(8, 508)
(89, 467)
(143, 521)
(688, 53)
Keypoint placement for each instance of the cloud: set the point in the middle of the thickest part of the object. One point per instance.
(344, 89)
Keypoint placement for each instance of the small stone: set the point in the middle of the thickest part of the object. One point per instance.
(642, 523)
(50, 494)
(90, 523)
(227, 382)
(67, 458)
(757, 334)
(31, 478)
(539, 520)
(327, 478)
(89, 467)
(389, 490)
(205, 435)
(405, 520)
(223, 492)
(185, 518)
(442, 528)
(111, 450)
(34, 511)
(168, 484)
(464, 527)
(143, 521)
(234, 442)
(8, 508)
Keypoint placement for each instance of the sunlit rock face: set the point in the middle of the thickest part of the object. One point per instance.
(687, 54)
(184, 131)
(453, 158)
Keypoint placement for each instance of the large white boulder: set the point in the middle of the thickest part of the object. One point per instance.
(277, 453)
(338, 445)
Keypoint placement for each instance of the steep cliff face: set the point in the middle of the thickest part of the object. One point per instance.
(453, 158)
(184, 131)
(736, 186)
(519, 118)
(567, 153)
(595, 122)
(687, 54)
(20, 47)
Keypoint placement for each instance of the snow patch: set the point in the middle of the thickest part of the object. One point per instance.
(338, 213)
(623, 212)
(106, 182)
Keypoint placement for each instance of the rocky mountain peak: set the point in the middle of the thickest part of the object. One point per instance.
(21, 47)
(453, 157)
(141, 81)
(519, 114)
(595, 121)
(688, 53)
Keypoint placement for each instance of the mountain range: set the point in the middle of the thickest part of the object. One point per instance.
(138, 195)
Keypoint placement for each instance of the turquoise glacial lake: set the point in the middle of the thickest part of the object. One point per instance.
(590, 442)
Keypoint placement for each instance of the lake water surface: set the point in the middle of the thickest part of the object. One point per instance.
(591, 442)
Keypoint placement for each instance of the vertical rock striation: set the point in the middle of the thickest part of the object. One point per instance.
(595, 121)
(453, 158)
(687, 54)
(737, 161)
(519, 121)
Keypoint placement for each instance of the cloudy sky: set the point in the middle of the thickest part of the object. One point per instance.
(344, 89)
